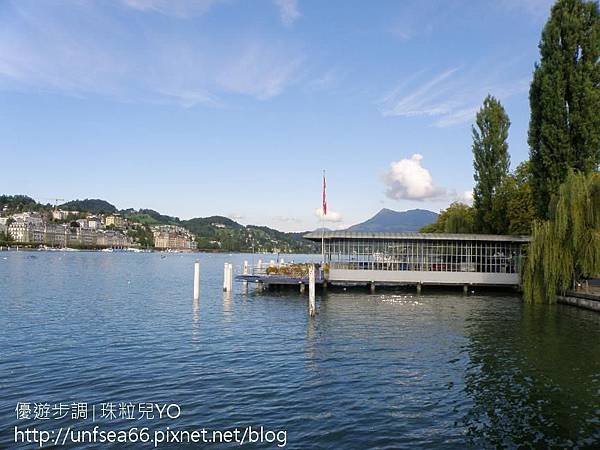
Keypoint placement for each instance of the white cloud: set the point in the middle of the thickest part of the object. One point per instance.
(259, 71)
(176, 8)
(408, 179)
(465, 197)
(288, 11)
(286, 219)
(451, 97)
(80, 49)
(331, 216)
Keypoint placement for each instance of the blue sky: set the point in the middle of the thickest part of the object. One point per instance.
(232, 107)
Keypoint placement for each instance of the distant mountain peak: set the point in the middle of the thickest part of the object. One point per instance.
(388, 220)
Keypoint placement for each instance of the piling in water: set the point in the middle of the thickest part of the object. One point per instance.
(312, 307)
(196, 280)
(228, 277)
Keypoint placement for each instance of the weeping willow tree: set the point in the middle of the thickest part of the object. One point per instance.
(565, 248)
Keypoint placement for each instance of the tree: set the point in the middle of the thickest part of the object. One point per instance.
(565, 248)
(490, 161)
(513, 208)
(456, 218)
(564, 127)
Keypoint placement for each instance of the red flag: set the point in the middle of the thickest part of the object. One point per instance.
(324, 195)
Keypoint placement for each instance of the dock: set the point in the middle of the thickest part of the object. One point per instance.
(404, 259)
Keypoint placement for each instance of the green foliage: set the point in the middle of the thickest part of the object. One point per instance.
(157, 217)
(564, 127)
(5, 238)
(91, 205)
(457, 218)
(141, 235)
(490, 161)
(19, 203)
(513, 207)
(565, 248)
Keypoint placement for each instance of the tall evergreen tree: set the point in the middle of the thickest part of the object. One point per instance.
(490, 161)
(564, 128)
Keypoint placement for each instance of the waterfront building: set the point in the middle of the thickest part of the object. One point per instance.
(169, 240)
(26, 232)
(422, 258)
(55, 235)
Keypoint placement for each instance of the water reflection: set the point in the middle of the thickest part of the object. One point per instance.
(227, 305)
(529, 380)
(195, 319)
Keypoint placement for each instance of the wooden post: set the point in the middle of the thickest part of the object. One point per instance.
(312, 307)
(372, 287)
(419, 288)
(302, 288)
(465, 289)
(225, 277)
(196, 280)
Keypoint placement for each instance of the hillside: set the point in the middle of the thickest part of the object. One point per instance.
(91, 205)
(391, 221)
(214, 233)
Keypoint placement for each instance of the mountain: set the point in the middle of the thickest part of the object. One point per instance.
(391, 221)
(91, 205)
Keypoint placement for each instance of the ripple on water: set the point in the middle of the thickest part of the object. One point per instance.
(370, 371)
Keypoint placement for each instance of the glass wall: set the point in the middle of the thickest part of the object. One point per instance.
(424, 255)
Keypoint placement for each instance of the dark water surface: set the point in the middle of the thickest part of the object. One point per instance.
(390, 370)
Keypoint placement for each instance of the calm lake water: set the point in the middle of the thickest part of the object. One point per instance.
(390, 370)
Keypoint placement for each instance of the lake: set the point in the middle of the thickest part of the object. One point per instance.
(388, 370)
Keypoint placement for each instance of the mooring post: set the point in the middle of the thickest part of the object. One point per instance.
(196, 280)
(302, 288)
(228, 277)
(465, 289)
(245, 283)
(372, 287)
(419, 288)
(312, 307)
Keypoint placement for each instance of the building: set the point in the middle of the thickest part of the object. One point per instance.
(55, 235)
(115, 220)
(420, 258)
(112, 239)
(173, 241)
(94, 222)
(59, 214)
(26, 232)
(33, 218)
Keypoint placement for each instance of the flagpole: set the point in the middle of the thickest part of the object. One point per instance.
(323, 223)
